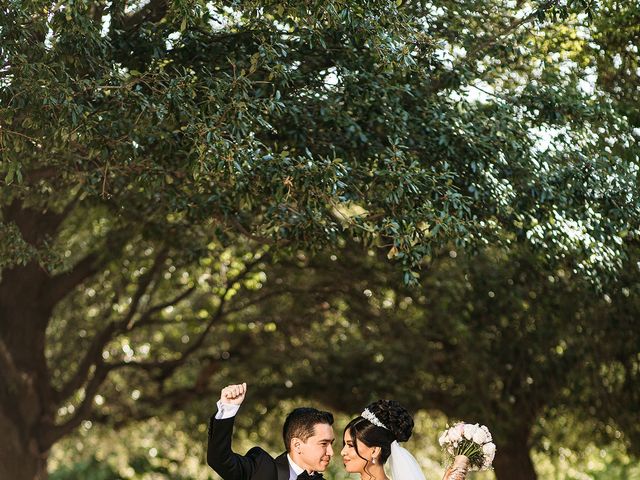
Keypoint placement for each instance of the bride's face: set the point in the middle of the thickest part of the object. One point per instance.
(354, 463)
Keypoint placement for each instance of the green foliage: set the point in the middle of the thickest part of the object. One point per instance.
(273, 119)
(13, 248)
(91, 469)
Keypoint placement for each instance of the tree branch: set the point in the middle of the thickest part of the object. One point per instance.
(481, 48)
(51, 434)
(34, 225)
(93, 356)
(146, 317)
(143, 285)
(60, 285)
(513, 26)
(168, 367)
(154, 11)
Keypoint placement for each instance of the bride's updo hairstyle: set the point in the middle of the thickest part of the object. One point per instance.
(380, 424)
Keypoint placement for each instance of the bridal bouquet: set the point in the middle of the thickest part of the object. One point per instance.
(471, 440)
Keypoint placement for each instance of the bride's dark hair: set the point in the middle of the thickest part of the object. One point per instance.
(396, 419)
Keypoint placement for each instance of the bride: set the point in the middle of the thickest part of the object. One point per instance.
(373, 438)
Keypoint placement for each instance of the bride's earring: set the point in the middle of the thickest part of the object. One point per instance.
(373, 460)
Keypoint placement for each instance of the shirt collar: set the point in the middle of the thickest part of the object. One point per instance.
(293, 466)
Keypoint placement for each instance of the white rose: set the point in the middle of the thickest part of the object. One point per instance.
(469, 430)
(443, 438)
(479, 436)
(455, 433)
(489, 451)
(486, 430)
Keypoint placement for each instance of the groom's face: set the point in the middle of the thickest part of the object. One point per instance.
(316, 452)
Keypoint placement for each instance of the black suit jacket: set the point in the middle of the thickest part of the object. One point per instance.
(255, 465)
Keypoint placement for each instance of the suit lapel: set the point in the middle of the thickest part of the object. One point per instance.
(282, 465)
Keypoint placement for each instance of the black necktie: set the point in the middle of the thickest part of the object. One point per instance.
(307, 476)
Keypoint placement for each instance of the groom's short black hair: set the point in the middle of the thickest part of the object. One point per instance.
(301, 422)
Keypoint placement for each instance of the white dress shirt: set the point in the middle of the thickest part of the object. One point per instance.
(226, 410)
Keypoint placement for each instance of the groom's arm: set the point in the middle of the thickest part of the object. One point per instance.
(228, 464)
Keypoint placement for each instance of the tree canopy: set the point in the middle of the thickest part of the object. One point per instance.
(298, 123)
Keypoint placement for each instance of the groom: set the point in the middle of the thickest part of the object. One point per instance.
(308, 438)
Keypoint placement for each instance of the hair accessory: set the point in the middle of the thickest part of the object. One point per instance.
(369, 415)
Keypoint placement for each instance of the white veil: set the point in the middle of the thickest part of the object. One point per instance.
(403, 465)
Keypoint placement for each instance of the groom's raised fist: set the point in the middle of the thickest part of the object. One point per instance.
(233, 394)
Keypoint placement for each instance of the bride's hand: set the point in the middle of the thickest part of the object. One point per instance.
(452, 474)
(233, 394)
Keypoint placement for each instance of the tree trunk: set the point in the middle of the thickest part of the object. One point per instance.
(20, 457)
(26, 404)
(28, 294)
(512, 461)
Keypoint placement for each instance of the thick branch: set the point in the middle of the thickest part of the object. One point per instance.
(176, 399)
(34, 225)
(93, 356)
(54, 433)
(154, 11)
(62, 284)
(168, 367)
(219, 312)
(35, 175)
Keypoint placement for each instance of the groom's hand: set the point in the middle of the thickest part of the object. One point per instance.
(233, 394)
